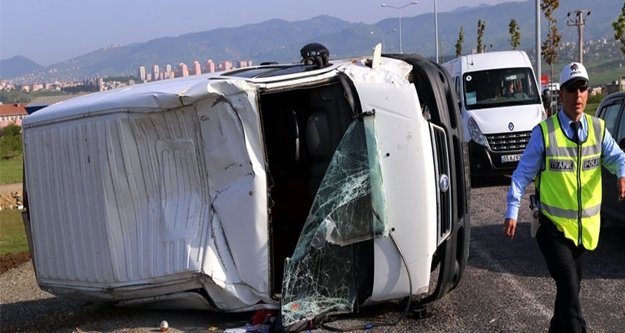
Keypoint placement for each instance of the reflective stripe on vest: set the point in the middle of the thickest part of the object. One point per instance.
(570, 182)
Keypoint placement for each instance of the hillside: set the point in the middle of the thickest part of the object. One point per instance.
(17, 66)
(280, 40)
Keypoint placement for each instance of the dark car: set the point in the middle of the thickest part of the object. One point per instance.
(612, 110)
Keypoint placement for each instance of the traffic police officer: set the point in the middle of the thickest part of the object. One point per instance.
(565, 154)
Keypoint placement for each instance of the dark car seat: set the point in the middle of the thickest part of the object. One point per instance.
(320, 147)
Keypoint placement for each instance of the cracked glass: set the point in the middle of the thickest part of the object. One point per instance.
(320, 277)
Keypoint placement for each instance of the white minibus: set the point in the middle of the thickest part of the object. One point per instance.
(500, 104)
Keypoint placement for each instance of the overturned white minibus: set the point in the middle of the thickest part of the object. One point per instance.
(314, 188)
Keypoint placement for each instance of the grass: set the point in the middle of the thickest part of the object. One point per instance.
(600, 72)
(605, 73)
(591, 108)
(11, 170)
(12, 233)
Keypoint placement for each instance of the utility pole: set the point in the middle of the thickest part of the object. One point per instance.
(436, 31)
(538, 56)
(579, 21)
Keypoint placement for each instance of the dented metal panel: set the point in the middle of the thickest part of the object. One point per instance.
(149, 97)
(142, 218)
(161, 194)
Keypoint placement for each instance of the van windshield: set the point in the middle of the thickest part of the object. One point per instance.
(499, 87)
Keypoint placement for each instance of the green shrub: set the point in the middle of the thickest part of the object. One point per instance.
(10, 142)
(596, 99)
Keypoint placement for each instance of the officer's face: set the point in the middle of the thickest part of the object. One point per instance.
(574, 98)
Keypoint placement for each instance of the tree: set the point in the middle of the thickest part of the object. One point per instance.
(619, 29)
(14, 96)
(10, 142)
(549, 49)
(10, 130)
(515, 34)
(481, 25)
(459, 42)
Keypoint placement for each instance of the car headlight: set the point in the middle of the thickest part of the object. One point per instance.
(476, 133)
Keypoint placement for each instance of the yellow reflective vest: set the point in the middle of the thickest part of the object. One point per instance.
(570, 181)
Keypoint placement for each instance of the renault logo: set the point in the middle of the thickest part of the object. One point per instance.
(443, 183)
(511, 126)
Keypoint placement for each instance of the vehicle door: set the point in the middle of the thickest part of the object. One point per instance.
(333, 260)
(613, 112)
(327, 268)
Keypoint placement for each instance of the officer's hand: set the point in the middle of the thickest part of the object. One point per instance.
(620, 186)
(509, 227)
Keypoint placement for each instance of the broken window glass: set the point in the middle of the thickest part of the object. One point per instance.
(321, 278)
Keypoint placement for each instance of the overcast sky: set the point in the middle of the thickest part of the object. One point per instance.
(49, 31)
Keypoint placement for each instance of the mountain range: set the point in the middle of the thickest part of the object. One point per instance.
(17, 66)
(279, 40)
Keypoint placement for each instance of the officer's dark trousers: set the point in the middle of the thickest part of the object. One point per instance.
(565, 262)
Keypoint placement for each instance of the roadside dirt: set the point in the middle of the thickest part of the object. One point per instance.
(8, 188)
(12, 260)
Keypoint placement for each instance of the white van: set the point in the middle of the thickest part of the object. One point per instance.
(314, 187)
(500, 104)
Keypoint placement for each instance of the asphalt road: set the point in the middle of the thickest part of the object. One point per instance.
(506, 288)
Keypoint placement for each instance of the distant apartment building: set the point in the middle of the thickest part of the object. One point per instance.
(244, 63)
(6, 85)
(141, 73)
(210, 66)
(32, 87)
(52, 86)
(169, 73)
(12, 114)
(156, 72)
(197, 68)
(225, 65)
(183, 69)
(616, 85)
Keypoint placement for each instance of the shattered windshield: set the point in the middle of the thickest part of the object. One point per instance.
(348, 208)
